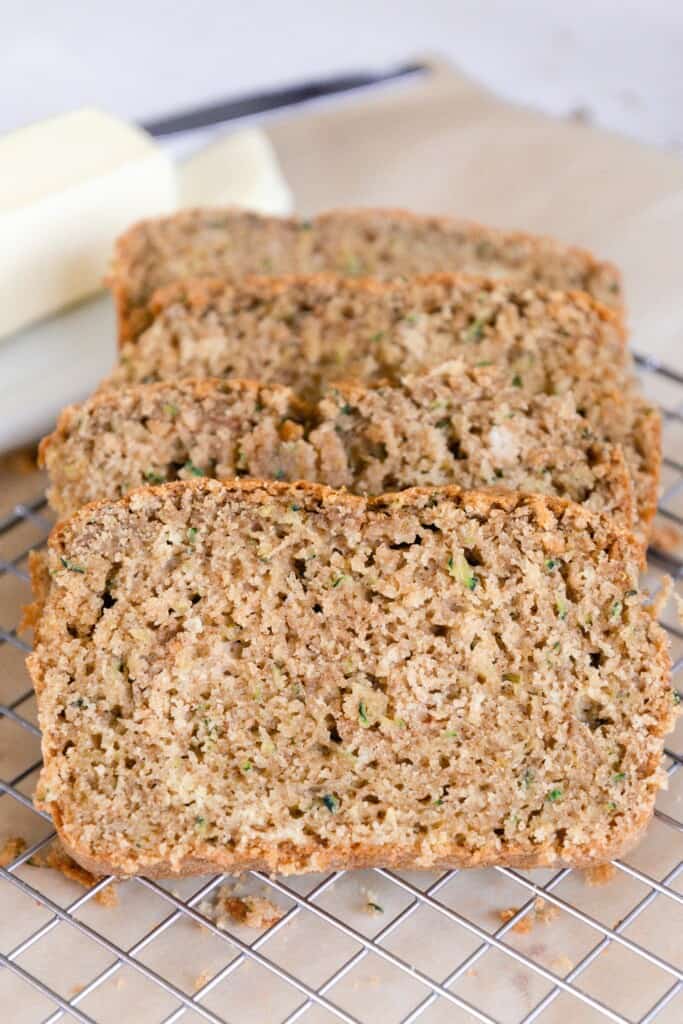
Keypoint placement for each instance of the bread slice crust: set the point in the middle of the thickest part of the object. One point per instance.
(380, 242)
(309, 331)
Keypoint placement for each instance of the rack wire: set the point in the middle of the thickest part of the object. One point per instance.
(436, 947)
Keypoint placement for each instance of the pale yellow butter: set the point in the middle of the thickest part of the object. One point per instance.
(68, 187)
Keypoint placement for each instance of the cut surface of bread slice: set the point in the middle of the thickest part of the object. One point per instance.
(467, 426)
(309, 332)
(153, 433)
(277, 676)
(375, 243)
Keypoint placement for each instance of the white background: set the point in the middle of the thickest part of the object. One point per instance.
(619, 59)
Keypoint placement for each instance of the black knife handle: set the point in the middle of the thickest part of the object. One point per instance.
(272, 99)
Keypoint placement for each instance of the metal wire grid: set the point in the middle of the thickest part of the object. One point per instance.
(437, 992)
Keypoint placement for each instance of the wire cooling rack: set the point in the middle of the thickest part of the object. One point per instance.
(497, 946)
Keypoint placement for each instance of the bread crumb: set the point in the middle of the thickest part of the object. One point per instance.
(523, 926)
(601, 874)
(666, 537)
(201, 980)
(251, 911)
(471, 973)
(11, 849)
(120, 982)
(75, 989)
(561, 964)
(545, 912)
(371, 904)
(541, 913)
(54, 856)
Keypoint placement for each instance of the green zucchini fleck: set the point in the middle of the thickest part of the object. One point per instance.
(331, 802)
(71, 566)
(353, 265)
(154, 478)
(460, 569)
(194, 470)
(555, 794)
(363, 715)
(475, 330)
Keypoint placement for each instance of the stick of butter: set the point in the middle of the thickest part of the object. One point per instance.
(68, 187)
(61, 359)
(239, 169)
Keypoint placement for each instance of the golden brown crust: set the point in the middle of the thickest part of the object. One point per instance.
(198, 293)
(132, 250)
(301, 860)
(650, 438)
(318, 495)
(40, 587)
(197, 388)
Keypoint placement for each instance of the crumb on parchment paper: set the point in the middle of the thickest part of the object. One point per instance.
(601, 874)
(11, 848)
(55, 857)
(541, 913)
(371, 904)
(201, 980)
(226, 907)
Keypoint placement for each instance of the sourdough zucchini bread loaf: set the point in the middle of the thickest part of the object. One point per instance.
(464, 425)
(308, 332)
(377, 243)
(278, 676)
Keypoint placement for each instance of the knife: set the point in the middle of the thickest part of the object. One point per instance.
(274, 99)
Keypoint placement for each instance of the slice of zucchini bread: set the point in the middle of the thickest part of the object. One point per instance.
(152, 433)
(376, 243)
(285, 677)
(307, 332)
(467, 426)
